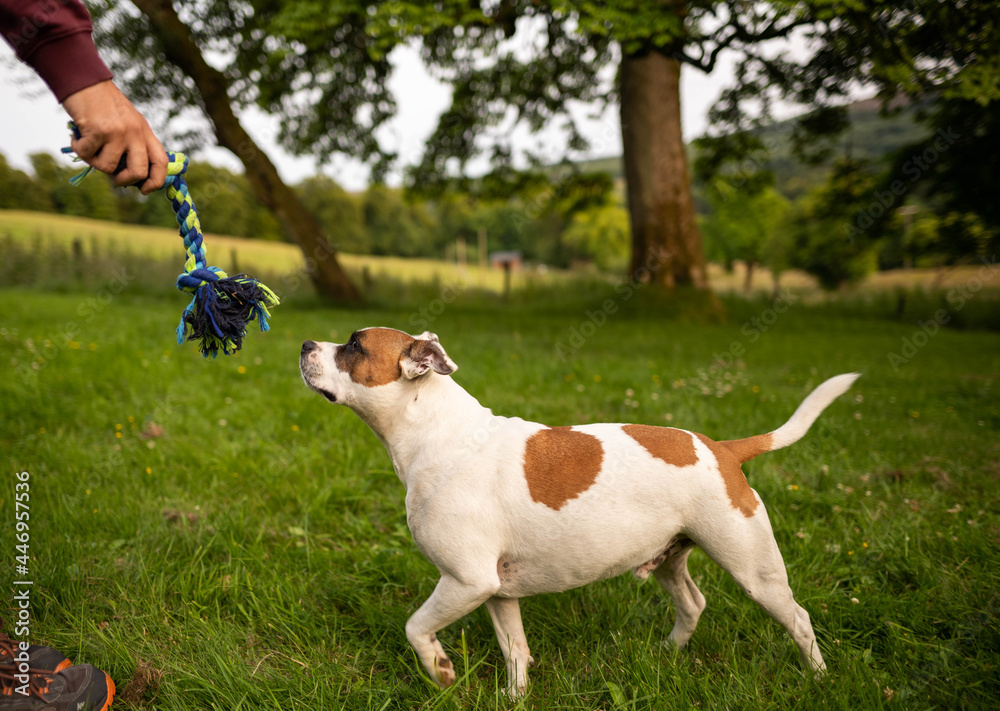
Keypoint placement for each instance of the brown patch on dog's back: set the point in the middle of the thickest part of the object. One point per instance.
(666, 443)
(376, 359)
(739, 491)
(560, 464)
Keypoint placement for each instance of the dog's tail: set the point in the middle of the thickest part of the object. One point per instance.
(798, 424)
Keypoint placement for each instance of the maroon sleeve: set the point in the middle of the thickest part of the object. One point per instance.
(53, 38)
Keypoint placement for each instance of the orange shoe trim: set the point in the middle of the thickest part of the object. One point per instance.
(111, 692)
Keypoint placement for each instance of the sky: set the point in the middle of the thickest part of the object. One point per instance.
(31, 121)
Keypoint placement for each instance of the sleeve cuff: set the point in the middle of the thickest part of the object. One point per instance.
(69, 64)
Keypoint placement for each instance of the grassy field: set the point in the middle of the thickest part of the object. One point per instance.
(279, 258)
(251, 255)
(216, 536)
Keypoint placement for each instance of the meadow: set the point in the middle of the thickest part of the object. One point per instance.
(216, 536)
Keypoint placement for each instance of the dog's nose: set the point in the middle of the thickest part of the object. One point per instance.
(309, 346)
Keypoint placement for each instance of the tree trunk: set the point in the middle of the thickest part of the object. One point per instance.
(748, 281)
(181, 50)
(665, 236)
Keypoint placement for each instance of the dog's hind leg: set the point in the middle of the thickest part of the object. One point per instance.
(506, 615)
(689, 603)
(450, 600)
(750, 554)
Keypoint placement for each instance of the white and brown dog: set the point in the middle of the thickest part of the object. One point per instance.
(507, 508)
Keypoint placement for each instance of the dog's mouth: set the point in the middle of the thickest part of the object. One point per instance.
(328, 395)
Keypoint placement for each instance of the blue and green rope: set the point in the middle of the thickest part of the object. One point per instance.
(221, 306)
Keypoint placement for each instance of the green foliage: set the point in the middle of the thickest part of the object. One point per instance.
(393, 225)
(937, 56)
(18, 191)
(338, 213)
(825, 239)
(92, 198)
(744, 225)
(601, 234)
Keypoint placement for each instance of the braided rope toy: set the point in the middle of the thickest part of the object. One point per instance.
(221, 305)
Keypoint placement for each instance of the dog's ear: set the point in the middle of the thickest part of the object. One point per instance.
(428, 336)
(423, 355)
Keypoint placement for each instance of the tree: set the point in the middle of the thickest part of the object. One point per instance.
(647, 41)
(943, 57)
(338, 213)
(18, 191)
(826, 244)
(92, 198)
(744, 225)
(151, 49)
(601, 234)
(393, 226)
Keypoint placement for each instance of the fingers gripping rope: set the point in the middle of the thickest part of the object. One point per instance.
(221, 306)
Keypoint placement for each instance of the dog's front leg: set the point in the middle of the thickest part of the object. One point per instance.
(450, 600)
(506, 614)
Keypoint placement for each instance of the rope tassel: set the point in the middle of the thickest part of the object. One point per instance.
(221, 305)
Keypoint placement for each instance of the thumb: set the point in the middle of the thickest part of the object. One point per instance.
(88, 145)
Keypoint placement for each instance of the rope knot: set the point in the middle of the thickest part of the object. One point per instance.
(221, 306)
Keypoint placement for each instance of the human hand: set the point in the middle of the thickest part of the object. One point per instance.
(110, 126)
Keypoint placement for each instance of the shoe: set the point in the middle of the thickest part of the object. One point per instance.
(81, 687)
(44, 658)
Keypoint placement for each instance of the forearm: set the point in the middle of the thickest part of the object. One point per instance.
(54, 38)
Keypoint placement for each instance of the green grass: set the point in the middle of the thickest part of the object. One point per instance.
(255, 553)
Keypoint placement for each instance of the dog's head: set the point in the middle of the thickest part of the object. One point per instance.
(375, 365)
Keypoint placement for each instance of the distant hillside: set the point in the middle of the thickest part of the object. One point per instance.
(871, 136)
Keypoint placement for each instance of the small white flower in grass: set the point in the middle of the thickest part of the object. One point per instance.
(859, 398)
(629, 393)
(855, 600)
(222, 423)
(655, 396)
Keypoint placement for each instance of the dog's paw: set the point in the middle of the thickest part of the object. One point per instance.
(516, 691)
(445, 672)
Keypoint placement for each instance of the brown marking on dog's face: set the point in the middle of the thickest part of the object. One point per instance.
(750, 447)
(371, 357)
(560, 464)
(739, 491)
(666, 443)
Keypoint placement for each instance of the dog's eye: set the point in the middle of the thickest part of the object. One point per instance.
(353, 345)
